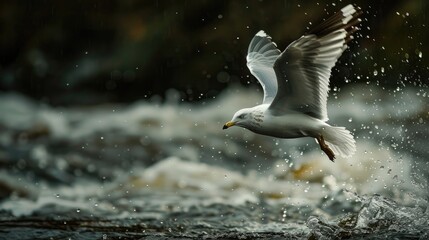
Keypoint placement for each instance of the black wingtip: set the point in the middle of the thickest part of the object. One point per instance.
(335, 22)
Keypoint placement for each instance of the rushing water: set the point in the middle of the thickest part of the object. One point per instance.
(160, 170)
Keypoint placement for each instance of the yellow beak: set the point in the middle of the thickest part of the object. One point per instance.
(228, 124)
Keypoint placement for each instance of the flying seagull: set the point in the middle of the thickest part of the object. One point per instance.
(295, 84)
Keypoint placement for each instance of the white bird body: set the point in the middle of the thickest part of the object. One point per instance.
(296, 84)
(292, 125)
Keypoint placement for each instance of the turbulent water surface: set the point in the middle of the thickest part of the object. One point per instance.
(160, 170)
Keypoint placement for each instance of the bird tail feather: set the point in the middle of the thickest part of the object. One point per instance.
(340, 140)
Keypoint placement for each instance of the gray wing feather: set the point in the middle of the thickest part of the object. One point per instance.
(304, 68)
(261, 55)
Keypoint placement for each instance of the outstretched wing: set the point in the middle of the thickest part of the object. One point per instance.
(261, 55)
(304, 68)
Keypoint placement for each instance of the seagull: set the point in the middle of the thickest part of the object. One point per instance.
(296, 84)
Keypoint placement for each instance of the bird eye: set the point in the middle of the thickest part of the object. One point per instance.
(241, 116)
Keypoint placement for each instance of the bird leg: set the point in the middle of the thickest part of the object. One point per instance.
(325, 148)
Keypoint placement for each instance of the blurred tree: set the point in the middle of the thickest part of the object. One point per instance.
(87, 52)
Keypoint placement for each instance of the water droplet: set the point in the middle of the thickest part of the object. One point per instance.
(350, 119)
(375, 72)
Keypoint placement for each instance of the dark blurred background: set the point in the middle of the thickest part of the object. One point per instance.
(92, 52)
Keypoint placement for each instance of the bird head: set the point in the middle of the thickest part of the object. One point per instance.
(241, 118)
